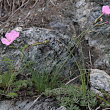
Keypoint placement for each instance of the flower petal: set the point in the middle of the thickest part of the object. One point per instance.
(5, 41)
(15, 34)
(8, 36)
(106, 10)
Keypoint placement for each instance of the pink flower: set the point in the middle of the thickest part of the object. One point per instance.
(106, 22)
(10, 37)
(106, 10)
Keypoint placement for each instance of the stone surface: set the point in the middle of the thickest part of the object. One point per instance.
(99, 80)
(62, 108)
(72, 17)
(25, 105)
(99, 40)
(83, 14)
(46, 56)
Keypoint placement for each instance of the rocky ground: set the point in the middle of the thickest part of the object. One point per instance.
(44, 20)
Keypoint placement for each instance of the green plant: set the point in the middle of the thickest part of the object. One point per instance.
(45, 80)
(74, 98)
(7, 79)
(8, 83)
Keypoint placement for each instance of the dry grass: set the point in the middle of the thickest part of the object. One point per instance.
(10, 9)
(27, 13)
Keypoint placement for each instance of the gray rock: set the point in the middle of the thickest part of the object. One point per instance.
(80, 14)
(5, 105)
(46, 56)
(87, 11)
(18, 29)
(71, 19)
(103, 62)
(99, 80)
(62, 108)
(25, 105)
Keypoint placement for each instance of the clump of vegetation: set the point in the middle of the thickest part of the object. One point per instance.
(75, 98)
(9, 84)
(45, 79)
